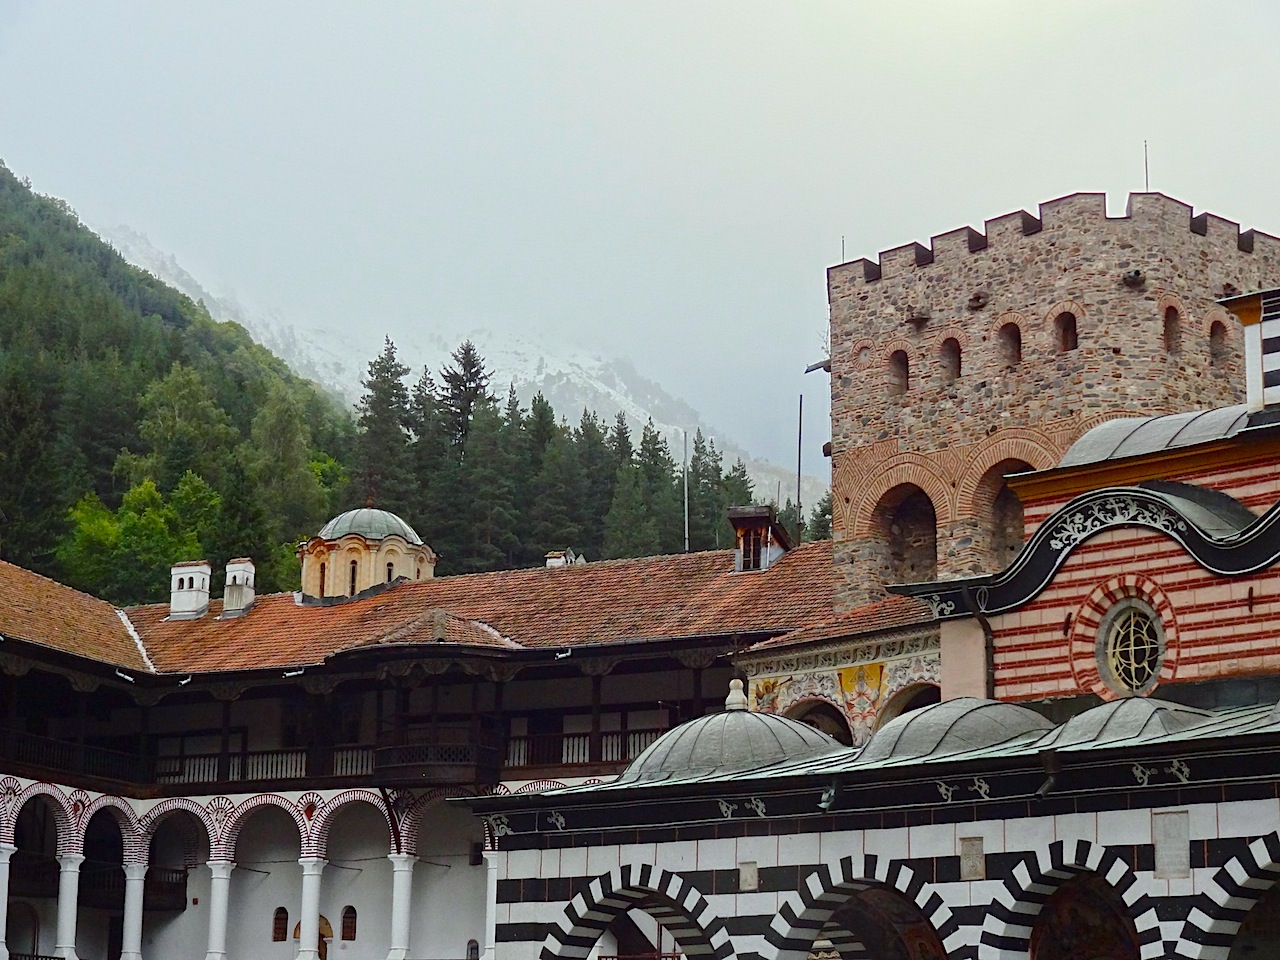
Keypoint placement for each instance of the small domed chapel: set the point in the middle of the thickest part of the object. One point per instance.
(1023, 704)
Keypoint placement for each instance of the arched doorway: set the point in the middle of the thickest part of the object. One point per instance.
(22, 934)
(882, 923)
(1259, 934)
(906, 522)
(909, 698)
(824, 716)
(359, 879)
(176, 876)
(1000, 510)
(1085, 919)
(100, 913)
(267, 877)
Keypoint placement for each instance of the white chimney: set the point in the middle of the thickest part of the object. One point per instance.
(238, 595)
(564, 558)
(189, 589)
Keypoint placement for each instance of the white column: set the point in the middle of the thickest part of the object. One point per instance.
(135, 878)
(68, 891)
(402, 865)
(490, 904)
(6, 851)
(309, 916)
(219, 898)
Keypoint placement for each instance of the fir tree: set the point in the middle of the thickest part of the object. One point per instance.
(819, 527)
(555, 515)
(706, 496)
(463, 386)
(662, 500)
(600, 476)
(383, 470)
(489, 507)
(620, 446)
(629, 531)
(736, 490)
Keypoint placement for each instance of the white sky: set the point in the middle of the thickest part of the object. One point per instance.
(664, 181)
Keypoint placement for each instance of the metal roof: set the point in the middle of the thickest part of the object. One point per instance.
(1136, 436)
(369, 523)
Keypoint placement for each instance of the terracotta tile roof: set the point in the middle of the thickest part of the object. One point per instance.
(42, 611)
(651, 598)
(871, 618)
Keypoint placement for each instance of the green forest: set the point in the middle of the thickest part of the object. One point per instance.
(137, 431)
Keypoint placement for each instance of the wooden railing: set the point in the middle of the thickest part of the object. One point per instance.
(439, 755)
(31, 956)
(570, 749)
(43, 752)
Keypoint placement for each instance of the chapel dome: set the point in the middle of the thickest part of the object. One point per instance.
(730, 742)
(369, 523)
(953, 726)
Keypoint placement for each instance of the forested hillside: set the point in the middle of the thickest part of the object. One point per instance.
(136, 431)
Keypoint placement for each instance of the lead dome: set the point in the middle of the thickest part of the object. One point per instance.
(369, 523)
(729, 742)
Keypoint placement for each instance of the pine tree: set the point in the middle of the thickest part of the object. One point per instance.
(600, 476)
(383, 470)
(463, 386)
(620, 445)
(736, 490)
(555, 515)
(662, 499)
(706, 496)
(819, 527)
(629, 531)
(488, 507)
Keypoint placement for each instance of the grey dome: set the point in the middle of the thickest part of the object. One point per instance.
(953, 726)
(369, 523)
(1123, 719)
(729, 742)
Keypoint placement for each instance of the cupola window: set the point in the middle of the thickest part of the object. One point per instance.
(352, 591)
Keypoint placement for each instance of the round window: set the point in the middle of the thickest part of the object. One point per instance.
(1130, 647)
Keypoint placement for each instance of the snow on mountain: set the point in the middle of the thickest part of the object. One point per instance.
(570, 378)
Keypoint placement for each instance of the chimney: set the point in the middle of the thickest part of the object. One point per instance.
(237, 597)
(189, 589)
(1259, 315)
(761, 539)
(564, 558)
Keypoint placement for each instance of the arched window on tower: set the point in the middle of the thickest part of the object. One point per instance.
(348, 923)
(907, 525)
(1218, 351)
(280, 925)
(899, 373)
(352, 592)
(391, 572)
(322, 572)
(1172, 331)
(1065, 333)
(950, 354)
(1009, 340)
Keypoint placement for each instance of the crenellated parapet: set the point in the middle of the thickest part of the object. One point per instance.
(1033, 328)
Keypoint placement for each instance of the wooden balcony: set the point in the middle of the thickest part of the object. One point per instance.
(34, 876)
(607, 750)
(440, 755)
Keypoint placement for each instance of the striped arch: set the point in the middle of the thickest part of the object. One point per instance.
(225, 848)
(830, 885)
(1226, 900)
(1029, 446)
(905, 468)
(318, 842)
(1006, 931)
(70, 840)
(150, 821)
(134, 841)
(681, 910)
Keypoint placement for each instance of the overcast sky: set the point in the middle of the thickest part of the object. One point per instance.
(666, 182)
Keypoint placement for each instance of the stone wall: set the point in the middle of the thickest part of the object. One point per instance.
(1019, 399)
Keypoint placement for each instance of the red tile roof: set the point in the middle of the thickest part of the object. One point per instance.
(651, 598)
(47, 613)
(886, 614)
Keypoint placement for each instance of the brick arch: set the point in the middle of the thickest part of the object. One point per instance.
(1233, 890)
(830, 885)
(1009, 316)
(1088, 618)
(1030, 446)
(70, 840)
(1006, 931)
(318, 842)
(226, 844)
(855, 353)
(1063, 306)
(134, 841)
(1167, 300)
(411, 819)
(958, 334)
(150, 821)
(906, 468)
(681, 909)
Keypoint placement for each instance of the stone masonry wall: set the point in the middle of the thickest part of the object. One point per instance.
(954, 437)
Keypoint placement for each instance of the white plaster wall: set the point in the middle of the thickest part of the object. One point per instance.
(448, 902)
(91, 933)
(182, 935)
(267, 876)
(358, 875)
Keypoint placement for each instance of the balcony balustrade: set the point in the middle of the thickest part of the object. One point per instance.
(618, 747)
(35, 876)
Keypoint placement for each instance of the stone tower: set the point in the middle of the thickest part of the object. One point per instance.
(989, 353)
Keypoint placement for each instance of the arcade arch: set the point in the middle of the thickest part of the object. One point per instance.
(905, 521)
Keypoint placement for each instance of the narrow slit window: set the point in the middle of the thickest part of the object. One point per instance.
(1010, 340)
(352, 592)
(1172, 331)
(1068, 337)
(322, 573)
(391, 572)
(280, 925)
(899, 373)
(348, 923)
(950, 355)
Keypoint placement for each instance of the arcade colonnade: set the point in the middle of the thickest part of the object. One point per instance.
(261, 875)
(904, 894)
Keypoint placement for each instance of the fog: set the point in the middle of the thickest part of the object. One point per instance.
(662, 181)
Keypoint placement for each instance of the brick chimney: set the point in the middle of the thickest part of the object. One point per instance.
(189, 589)
(237, 597)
